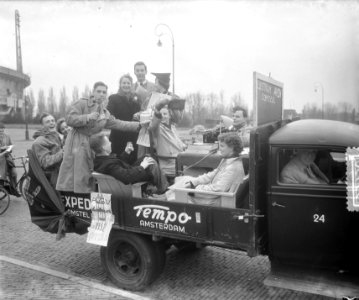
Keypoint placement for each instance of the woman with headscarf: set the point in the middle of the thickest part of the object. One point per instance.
(123, 106)
(86, 117)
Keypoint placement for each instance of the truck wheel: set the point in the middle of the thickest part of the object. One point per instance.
(130, 260)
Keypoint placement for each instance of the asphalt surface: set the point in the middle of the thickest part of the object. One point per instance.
(211, 273)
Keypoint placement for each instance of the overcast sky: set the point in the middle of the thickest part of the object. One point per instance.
(218, 45)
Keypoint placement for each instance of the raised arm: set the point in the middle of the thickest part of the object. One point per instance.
(76, 116)
(117, 124)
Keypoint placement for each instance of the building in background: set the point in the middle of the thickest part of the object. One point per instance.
(12, 85)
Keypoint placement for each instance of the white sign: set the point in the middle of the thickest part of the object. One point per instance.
(352, 158)
(102, 219)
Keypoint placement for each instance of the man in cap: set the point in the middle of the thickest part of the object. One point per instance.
(163, 82)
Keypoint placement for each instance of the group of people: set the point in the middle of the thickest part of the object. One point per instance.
(69, 150)
(69, 156)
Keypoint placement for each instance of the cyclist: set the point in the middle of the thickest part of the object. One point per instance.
(6, 161)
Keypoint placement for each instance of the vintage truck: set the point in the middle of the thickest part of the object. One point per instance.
(306, 230)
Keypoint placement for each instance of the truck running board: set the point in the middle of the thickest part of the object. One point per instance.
(337, 285)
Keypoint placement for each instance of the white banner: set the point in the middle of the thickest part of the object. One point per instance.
(352, 158)
(102, 219)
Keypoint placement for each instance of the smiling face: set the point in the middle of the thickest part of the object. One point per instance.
(125, 85)
(225, 150)
(165, 115)
(140, 72)
(100, 93)
(49, 123)
(64, 128)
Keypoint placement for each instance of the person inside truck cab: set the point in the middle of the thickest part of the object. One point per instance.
(301, 169)
(145, 169)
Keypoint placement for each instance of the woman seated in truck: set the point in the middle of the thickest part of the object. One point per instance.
(228, 174)
(145, 169)
(301, 169)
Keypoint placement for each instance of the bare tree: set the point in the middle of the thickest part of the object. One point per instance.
(51, 102)
(75, 94)
(212, 99)
(41, 105)
(330, 111)
(63, 102)
(237, 100)
(31, 101)
(345, 109)
(87, 92)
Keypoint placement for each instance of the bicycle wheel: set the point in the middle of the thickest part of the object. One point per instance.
(23, 185)
(4, 200)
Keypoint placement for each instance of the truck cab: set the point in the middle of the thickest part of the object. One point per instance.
(309, 224)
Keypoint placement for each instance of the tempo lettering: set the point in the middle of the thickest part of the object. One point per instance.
(162, 213)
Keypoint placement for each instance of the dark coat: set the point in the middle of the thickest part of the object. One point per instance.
(115, 167)
(48, 150)
(123, 108)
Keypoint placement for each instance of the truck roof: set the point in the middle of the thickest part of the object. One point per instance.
(317, 132)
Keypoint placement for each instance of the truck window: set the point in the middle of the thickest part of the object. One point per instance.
(311, 166)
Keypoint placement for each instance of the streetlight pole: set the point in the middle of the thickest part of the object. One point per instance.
(26, 98)
(159, 43)
(315, 90)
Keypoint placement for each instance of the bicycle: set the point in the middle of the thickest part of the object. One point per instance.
(6, 189)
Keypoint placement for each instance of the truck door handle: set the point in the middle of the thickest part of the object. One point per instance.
(276, 204)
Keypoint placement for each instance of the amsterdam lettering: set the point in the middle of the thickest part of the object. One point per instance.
(161, 217)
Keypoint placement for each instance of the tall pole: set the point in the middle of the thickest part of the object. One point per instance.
(18, 43)
(159, 34)
(315, 90)
(26, 119)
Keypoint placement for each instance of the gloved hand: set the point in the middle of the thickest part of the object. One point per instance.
(147, 161)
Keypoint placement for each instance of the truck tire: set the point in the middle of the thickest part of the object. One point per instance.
(132, 261)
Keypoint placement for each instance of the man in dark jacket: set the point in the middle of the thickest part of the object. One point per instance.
(48, 147)
(143, 170)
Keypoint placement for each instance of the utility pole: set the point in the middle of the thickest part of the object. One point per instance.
(18, 42)
(19, 68)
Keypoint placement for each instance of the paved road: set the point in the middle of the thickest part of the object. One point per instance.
(212, 273)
